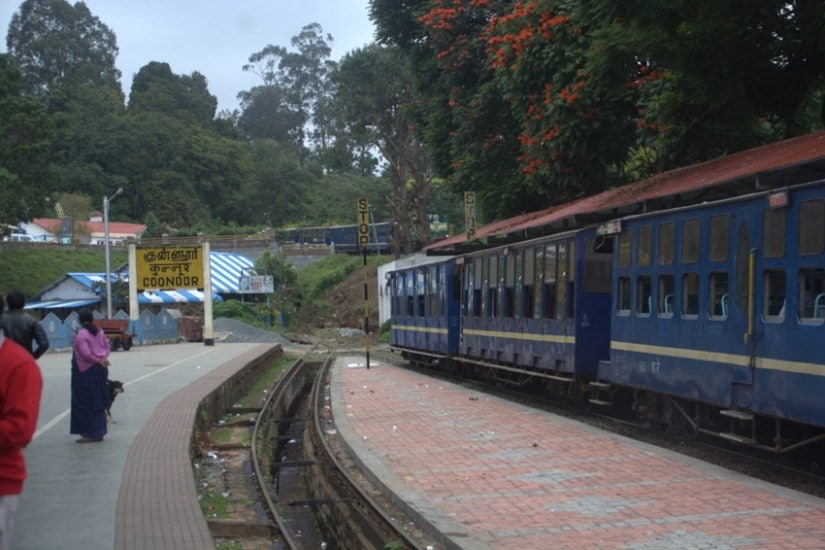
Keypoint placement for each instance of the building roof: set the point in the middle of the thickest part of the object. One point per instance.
(118, 230)
(775, 165)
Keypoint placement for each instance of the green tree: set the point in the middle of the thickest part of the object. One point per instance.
(292, 101)
(56, 44)
(376, 99)
(26, 133)
(265, 114)
(157, 88)
(729, 75)
(86, 150)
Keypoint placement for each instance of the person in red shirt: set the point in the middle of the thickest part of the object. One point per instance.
(21, 386)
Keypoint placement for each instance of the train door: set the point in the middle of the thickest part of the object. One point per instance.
(592, 301)
(742, 304)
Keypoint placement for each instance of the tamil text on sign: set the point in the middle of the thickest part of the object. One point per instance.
(170, 268)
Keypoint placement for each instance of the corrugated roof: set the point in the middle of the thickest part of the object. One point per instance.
(775, 164)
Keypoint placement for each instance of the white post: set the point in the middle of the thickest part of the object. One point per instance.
(208, 327)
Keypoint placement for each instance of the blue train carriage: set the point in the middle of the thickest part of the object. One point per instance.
(539, 309)
(718, 313)
(424, 309)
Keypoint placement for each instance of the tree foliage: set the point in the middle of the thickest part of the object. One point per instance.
(292, 101)
(536, 102)
(56, 44)
(26, 133)
(376, 100)
(156, 88)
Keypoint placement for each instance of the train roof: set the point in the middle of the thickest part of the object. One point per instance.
(788, 162)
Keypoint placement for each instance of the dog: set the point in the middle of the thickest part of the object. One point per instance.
(115, 388)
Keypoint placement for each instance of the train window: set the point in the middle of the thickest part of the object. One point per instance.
(719, 299)
(774, 220)
(690, 295)
(623, 296)
(561, 287)
(624, 249)
(493, 280)
(432, 291)
(773, 306)
(529, 298)
(812, 227)
(510, 261)
(812, 294)
(664, 302)
(643, 246)
(410, 293)
(478, 272)
(571, 266)
(395, 303)
(666, 244)
(597, 268)
(421, 293)
(690, 241)
(743, 252)
(550, 263)
(719, 238)
(476, 288)
(537, 282)
(644, 296)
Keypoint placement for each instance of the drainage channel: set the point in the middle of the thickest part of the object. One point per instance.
(315, 502)
(289, 472)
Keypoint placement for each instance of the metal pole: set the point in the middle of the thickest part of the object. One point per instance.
(106, 201)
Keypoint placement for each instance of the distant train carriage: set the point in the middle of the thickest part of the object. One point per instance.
(718, 314)
(345, 238)
(540, 305)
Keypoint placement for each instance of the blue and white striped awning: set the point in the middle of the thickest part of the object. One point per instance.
(227, 269)
(174, 297)
(58, 304)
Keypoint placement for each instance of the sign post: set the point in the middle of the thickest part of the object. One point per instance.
(363, 242)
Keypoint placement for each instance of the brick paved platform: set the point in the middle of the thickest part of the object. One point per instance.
(492, 474)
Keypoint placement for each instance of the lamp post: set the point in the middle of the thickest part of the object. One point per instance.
(106, 201)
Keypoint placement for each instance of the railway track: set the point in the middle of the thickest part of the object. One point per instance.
(305, 491)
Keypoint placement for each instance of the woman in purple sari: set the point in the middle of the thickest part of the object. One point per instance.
(90, 373)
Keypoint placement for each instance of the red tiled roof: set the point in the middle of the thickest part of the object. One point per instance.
(115, 228)
(749, 164)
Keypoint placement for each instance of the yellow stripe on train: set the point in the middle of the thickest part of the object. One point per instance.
(739, 360)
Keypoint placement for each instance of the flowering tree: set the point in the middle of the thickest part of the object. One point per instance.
(535, 102)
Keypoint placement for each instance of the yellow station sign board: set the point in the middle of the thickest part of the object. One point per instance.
(170, 268)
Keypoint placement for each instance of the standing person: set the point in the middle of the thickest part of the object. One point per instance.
(90, 394)
(22, 327)
(21, 385)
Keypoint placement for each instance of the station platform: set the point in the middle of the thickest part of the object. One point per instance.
(490, 474)
(135, 489)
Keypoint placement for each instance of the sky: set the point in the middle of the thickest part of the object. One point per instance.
(216, 37)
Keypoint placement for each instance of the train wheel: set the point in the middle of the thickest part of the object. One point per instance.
(126, 343)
